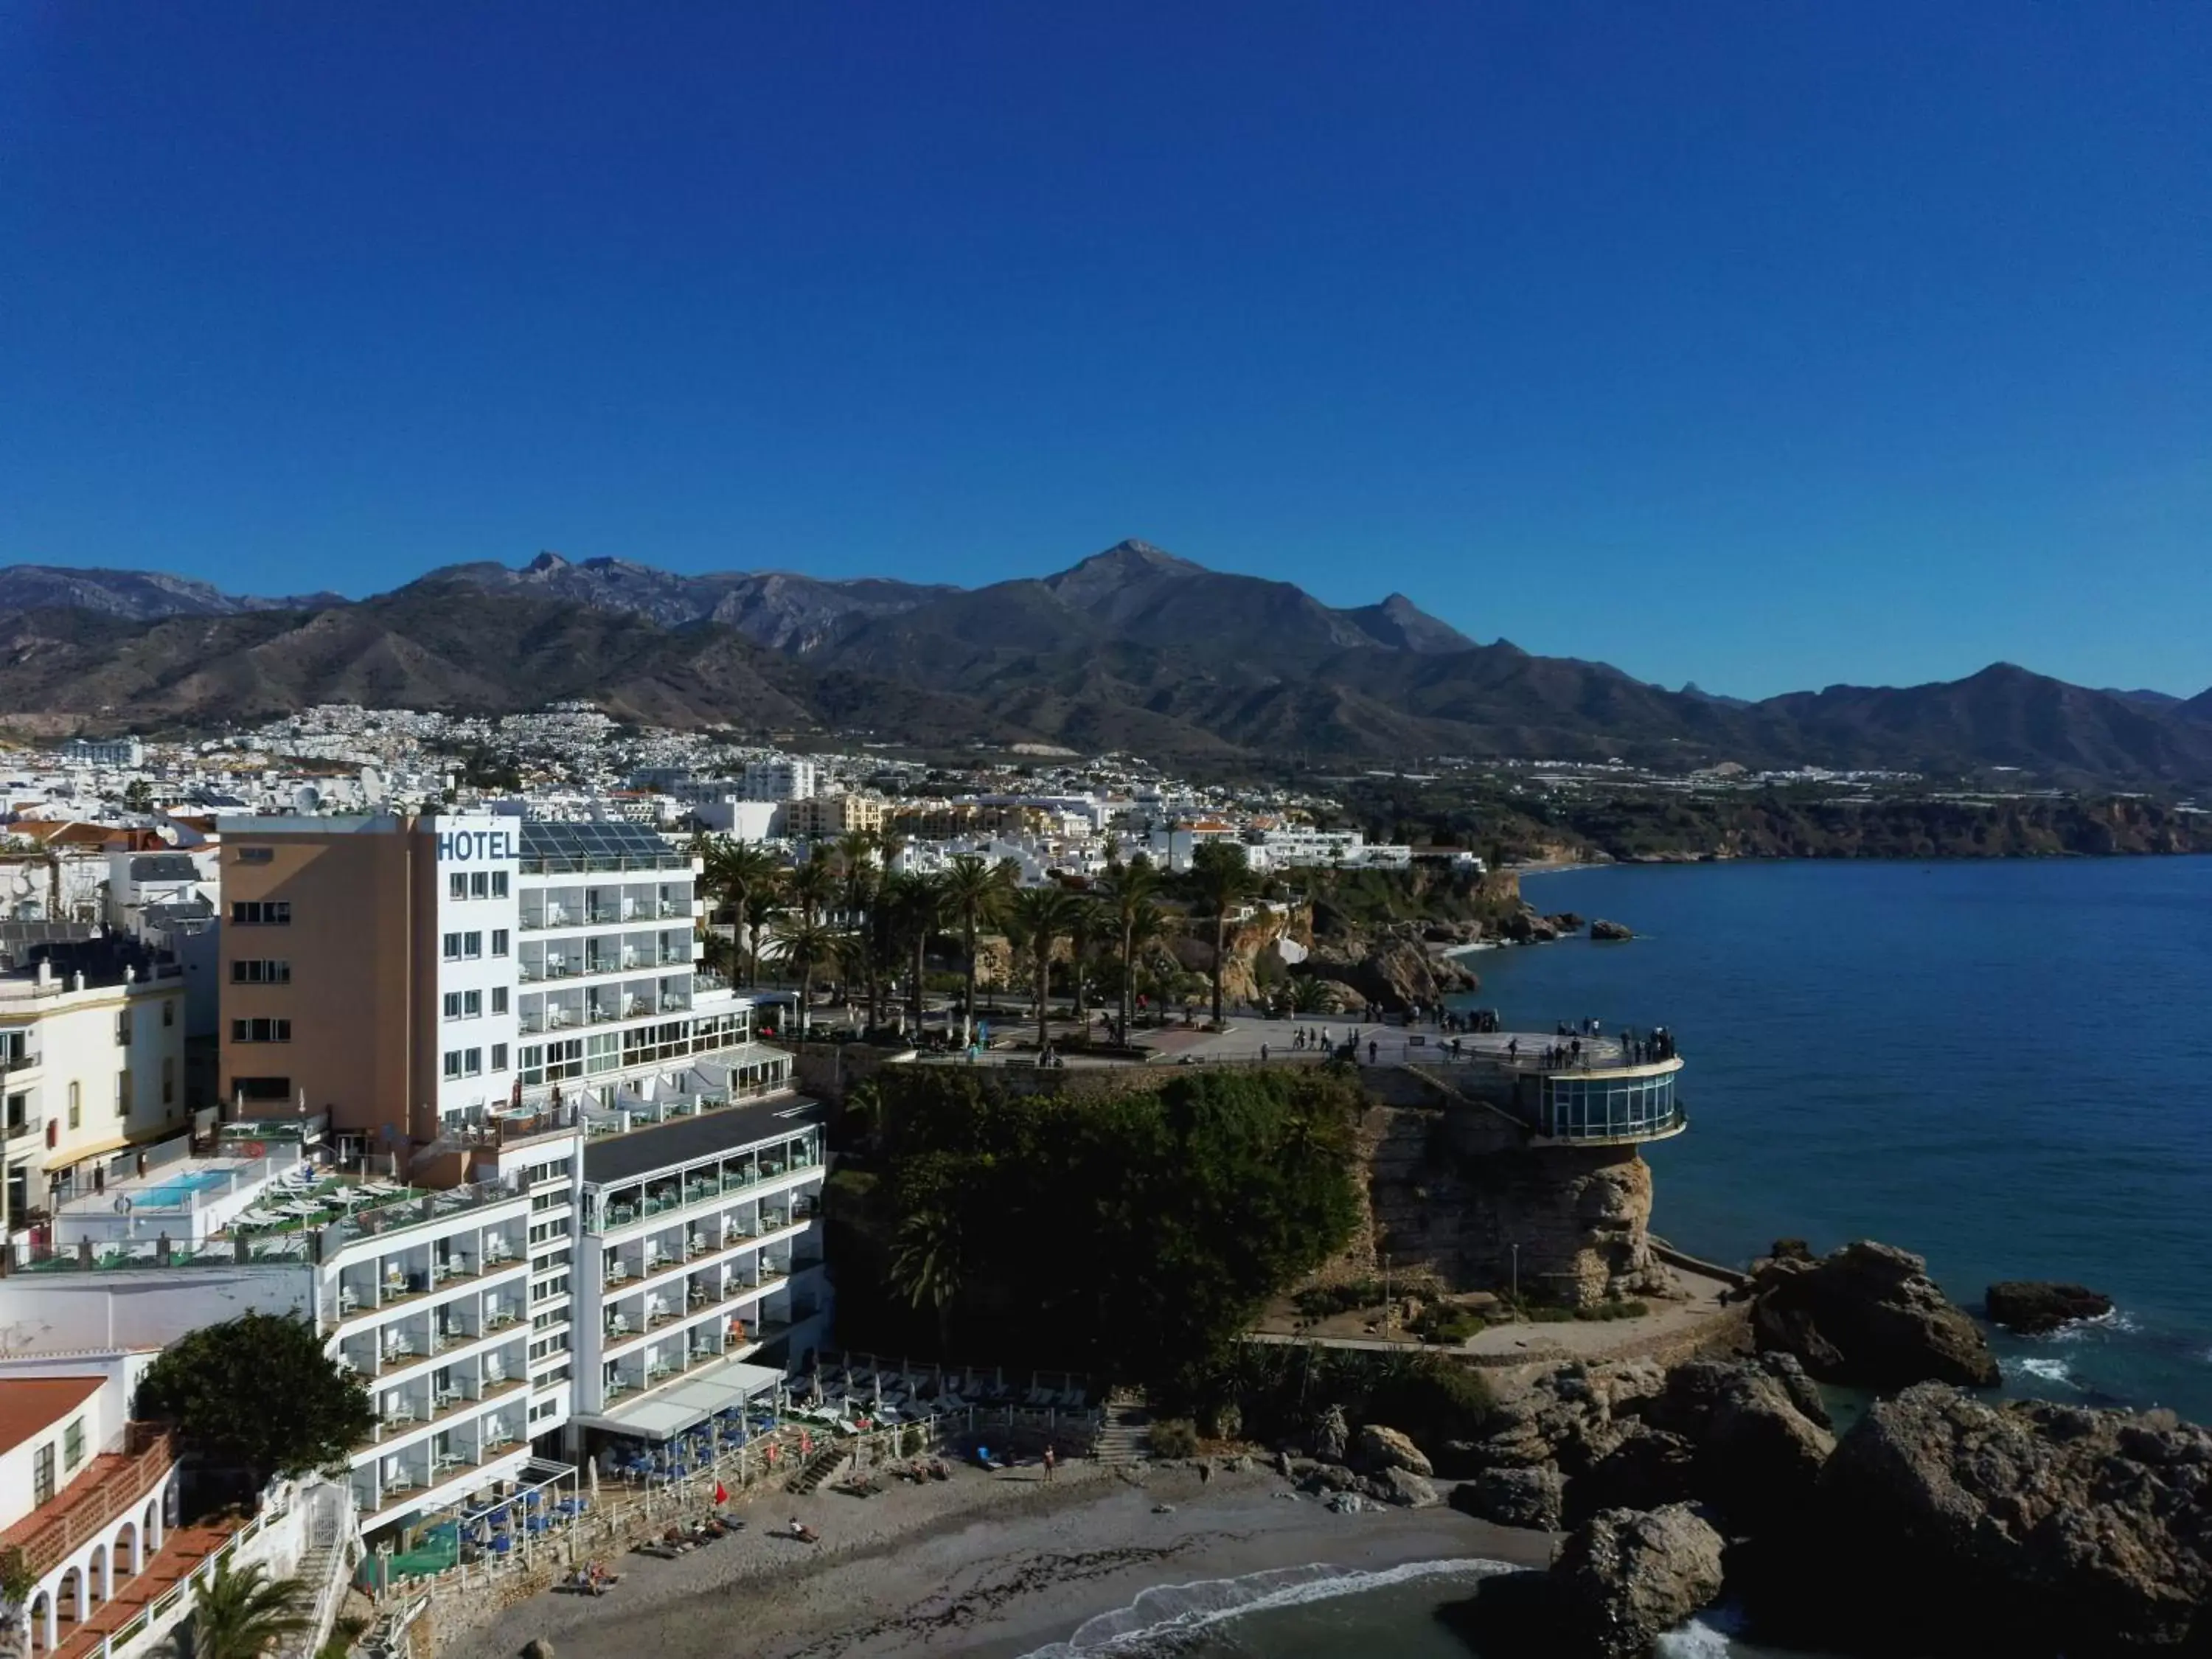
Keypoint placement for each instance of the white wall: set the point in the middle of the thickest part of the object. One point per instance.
(42, 1314)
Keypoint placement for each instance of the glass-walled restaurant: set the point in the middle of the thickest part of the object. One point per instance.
(1608, 1107)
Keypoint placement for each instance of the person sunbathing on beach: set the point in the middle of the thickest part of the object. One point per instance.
(803, 1533)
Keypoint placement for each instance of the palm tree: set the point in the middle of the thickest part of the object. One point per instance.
(1128, 890)
(736, 870)
(1220, 877)
(926, 1267)
(916, 907)
(763, 904)
(1089, 922)
(862, 881)
(975, 893)
(241, 1614)
(1039, 917)
(804, 943)
(812, 884)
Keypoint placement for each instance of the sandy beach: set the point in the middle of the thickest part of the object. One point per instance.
(990, 1564)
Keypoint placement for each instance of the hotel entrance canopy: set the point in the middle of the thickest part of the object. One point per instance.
(689, 1403)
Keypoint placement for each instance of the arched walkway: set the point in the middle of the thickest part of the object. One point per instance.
(150, 1528)
(99, 1583)
(42, 1623)
(74, 1595)
(129, 1557)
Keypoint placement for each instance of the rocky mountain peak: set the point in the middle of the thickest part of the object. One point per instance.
(545, 564)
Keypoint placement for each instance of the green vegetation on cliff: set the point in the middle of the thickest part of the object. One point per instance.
(1625, 821)
(1132, 1236)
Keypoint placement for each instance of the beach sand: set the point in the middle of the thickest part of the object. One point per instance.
(990, 1564)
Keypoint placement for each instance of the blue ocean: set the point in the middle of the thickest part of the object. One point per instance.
(2001, 1066)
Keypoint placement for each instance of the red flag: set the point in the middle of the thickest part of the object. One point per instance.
(720, 1496)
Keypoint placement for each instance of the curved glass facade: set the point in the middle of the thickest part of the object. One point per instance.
(1582, 1107)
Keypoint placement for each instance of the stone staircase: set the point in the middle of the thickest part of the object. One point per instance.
(819, 1467)
(1124, 1437)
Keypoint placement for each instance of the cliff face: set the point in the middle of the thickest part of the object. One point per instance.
(1453, 1190)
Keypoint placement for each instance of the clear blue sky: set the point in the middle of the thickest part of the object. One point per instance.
(1764, 345)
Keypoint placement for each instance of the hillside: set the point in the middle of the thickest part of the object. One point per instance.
(1132, 649)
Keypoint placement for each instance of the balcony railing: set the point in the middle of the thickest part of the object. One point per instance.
(30, 1124)
(17, 1060)
(87, 1505)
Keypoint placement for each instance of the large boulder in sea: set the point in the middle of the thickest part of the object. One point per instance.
(1630, 1575)
(1623, 1579)
(2034, 1307)
(1760, 1432)
(1611, 930)
(2024, 1528)
(1867, 1315)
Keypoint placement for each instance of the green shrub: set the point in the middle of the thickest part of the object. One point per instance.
(1440, 1322)
(1323, 1301)
(1174, 1437)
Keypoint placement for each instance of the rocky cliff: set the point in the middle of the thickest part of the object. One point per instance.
(1452, 1188)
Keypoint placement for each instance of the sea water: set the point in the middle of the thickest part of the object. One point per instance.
(2006, 1066)
(2003, 1066)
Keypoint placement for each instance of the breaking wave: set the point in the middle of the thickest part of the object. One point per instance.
(1159, 1617)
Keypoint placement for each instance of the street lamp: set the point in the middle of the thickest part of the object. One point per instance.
(1515, 1248)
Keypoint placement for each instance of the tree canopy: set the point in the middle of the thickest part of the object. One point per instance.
(258, 1391)
(1133, 1235)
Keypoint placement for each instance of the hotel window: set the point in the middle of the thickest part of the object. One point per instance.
(472, 946)
(452, 951)
(480, 884)
(123, 1028)
(452, 1063)
(260, 973)
(42, 1475)
(499, 941)
(499, 998)
(472, 1062)
(73, 1444)
(464, 1005)
(261, 913)
(499, 883)
(255, 854)
(457, 886)
(123, 1094)
(168, 1013)
(261, 1030)
(261, 1088)
(75, 1104)
(499, 1056)
(169, 1079)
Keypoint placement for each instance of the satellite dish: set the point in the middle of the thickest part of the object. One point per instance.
(306, 797)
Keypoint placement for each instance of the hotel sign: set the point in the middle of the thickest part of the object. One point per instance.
(467, 845)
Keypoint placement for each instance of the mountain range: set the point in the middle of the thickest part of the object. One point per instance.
(1131, 650)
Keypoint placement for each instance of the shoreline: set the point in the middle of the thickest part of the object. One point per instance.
(995, 1565)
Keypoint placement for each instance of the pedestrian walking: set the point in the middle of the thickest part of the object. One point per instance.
(1049, 1461)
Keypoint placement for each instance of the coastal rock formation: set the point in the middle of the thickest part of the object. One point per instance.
(1331, 1435)
(2048, 1529)
(2034, 1307)
(1392, 973)
(1627, 1577)
(1610, 929)
(1869, 1315)
(1515, 1498)
(1454, 1191)
(1749, 1436)
(1759, 1452)
(1403, 1488)
(1378, 1449)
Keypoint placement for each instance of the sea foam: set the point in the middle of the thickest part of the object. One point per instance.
(1170, 1610)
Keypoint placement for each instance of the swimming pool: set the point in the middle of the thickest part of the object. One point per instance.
(177, 1194)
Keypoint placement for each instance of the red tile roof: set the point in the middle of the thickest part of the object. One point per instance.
(31, 1405)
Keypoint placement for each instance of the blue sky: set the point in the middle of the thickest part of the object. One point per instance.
(1768, 345)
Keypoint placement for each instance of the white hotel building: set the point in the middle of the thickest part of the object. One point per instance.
(489, 1128)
